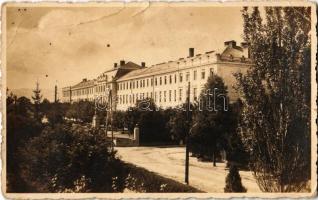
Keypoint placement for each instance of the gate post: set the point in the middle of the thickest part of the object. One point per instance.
(136, 135)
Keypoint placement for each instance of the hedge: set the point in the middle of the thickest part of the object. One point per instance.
(142, 180)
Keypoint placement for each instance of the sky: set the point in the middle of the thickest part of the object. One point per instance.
(63, 45)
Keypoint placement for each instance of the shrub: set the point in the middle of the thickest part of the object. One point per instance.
(141, 180)
(233, 181)
(71, 159)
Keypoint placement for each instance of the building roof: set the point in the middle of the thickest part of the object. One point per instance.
(84, 84)
(130, 70)
(165, 67)
(230, 54)
(120, 70)
(235, 51)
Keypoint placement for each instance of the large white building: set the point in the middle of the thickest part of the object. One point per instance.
(166, 83)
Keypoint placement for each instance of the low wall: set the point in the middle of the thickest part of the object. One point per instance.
(124, 142)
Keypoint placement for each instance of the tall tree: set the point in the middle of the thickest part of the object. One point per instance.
(179, 122)
(236, 153)
(210, 125)
(37, 100)
(275, 119)
(20, 127)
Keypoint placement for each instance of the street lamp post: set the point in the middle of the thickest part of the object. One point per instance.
(109, 113)
(187, 138)
(111, 117)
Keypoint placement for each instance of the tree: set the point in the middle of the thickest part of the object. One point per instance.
(151, 121)
(132, 118)
(56, 113)
(69, 158)
(45, 106)
(23, 106)
(86, 110)
(233, 181)
(179, 124)
(10, 98)
(20, 127)
(275, 121)
(37, 100)
(119, 121)
(236, 154)
(82, 110)
(211, 120)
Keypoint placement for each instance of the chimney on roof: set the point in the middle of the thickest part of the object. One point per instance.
(122, 63)
(246, 50)
(143, 64)
(84, 79)
(191, 52)
(231, 43)
(115, 65)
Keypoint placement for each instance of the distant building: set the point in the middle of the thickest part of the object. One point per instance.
(81, 91)
(166, 83)
(99, 87)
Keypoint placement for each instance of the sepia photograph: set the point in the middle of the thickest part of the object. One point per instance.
(159, 100)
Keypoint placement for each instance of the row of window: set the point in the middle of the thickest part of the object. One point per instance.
(100, 88)
(78, 92)
(163, 80)
(161, 96)
(66, 93)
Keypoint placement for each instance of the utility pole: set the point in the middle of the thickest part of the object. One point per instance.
(187, 138)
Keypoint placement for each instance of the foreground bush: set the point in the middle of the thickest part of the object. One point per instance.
(233, 181)
(142, 180)
(71, 159)
(21, 127)
(76, 159)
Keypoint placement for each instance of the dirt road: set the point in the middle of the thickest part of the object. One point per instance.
(169, 162)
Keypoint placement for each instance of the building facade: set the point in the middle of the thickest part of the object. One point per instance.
(167, 83)
(99, 88)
